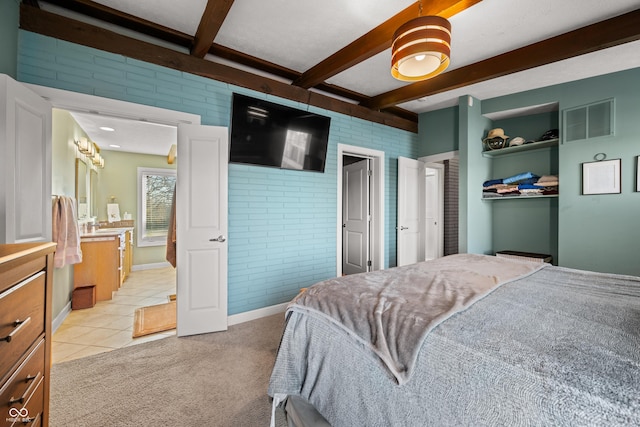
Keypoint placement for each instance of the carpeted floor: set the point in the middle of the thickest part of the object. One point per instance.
(217, 379)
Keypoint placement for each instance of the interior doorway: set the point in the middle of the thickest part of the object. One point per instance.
(450, 162)
(124, 111)
(360, 216)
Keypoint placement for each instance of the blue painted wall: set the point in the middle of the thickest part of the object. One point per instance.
(9, 21)
(598, 233)
(282, 224)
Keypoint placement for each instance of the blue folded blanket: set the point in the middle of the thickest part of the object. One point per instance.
(529, 187)
(523, 178)
(517, 179)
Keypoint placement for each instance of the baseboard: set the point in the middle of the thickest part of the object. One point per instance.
(256, 314)
(55, 324)
(151, 266)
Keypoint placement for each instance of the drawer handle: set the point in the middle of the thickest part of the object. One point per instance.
(29, 379)
(17, 326)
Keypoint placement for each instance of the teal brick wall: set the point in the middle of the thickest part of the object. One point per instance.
(282, 224)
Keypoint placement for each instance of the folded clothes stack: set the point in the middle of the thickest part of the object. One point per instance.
(523, 184)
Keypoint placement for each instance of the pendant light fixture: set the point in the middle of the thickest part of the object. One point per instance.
(421, 48)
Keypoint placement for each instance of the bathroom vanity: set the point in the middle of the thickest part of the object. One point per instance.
(107, 255)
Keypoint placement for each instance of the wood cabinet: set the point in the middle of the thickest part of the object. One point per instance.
(26, 271)
(106, 261)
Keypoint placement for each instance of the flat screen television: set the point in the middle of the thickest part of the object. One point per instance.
(268, 134)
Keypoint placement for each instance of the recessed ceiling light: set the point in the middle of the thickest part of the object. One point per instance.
(106, 128)
(114, 146)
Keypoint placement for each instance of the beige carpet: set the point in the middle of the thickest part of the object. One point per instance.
(217, 379)
(154, 318)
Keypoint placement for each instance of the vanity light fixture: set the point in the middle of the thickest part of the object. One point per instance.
(96, 158)
(421, 48)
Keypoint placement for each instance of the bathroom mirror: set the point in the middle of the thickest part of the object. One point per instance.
(82, 195)
(93, 192)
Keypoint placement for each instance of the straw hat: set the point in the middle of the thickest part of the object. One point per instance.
(497, 132)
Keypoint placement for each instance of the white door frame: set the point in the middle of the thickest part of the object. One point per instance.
(80, 102)
(439, 168)
(377, 204)
(356, 217)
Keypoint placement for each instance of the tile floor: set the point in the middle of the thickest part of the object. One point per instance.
(109, 324)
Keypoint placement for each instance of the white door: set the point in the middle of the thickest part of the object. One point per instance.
(355, 217)
(410, 201)
(201, 226)
(434, 211)
(25, 164)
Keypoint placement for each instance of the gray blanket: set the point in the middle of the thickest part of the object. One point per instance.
(559, 347)
(392, 311)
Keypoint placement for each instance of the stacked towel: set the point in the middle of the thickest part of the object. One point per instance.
(66, 232)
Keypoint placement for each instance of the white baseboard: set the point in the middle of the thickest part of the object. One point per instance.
(140, 267)
(55, 324)
(256, 314)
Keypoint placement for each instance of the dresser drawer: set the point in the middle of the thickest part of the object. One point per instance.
(21, 319)
(30, 414)
(22, 386)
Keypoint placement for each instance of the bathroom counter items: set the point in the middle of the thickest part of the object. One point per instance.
(26, 272)
(107, 257)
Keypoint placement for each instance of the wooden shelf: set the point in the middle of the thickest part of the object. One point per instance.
(521, 148)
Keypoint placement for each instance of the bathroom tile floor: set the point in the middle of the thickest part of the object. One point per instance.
(109, 324)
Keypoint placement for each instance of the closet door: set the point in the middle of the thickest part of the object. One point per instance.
(25, 164)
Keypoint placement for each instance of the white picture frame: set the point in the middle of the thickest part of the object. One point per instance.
(113, 212)
(601, 177)
(637, 173)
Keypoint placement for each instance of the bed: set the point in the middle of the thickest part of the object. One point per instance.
(465, 340)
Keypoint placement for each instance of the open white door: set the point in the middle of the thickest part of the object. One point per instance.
(25, 164)
(433, 211)
(410, 214)
(201, 225)
(356, 218)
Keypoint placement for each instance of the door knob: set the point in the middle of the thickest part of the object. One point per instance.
(403, 227)
(220, 238)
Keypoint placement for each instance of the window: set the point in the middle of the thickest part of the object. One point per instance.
(155, 195)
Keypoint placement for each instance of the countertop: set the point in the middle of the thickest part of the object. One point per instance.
(105, 232)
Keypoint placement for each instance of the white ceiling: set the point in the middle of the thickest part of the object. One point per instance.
(128, 135)
(298, 34)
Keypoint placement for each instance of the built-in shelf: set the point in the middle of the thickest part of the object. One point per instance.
(537, 196)
(521, 148)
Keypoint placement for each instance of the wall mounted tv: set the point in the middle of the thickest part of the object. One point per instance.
(267, 134)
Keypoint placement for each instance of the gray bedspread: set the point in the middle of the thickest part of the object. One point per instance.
(392, 311)
(557, 348)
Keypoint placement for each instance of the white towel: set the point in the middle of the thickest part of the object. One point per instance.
(66, 232)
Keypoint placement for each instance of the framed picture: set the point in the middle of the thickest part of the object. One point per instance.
(637, 173)
(601, 177)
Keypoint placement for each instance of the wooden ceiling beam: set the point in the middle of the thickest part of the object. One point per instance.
(63, 28)
(377, 40)
(602, 35)
(215, 12)
(142, 26)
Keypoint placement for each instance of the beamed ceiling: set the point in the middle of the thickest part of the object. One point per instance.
(335, 54)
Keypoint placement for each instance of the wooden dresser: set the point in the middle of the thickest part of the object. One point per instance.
(26, 277)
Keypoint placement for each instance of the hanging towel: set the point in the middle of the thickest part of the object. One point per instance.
(171, 233)
(66, 232)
